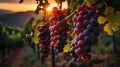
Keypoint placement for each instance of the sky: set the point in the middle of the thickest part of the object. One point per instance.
(27, 5)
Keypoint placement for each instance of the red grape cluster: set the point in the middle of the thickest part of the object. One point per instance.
(58, 30)
(86, 30)
(44, 40)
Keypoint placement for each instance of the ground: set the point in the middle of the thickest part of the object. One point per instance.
(102, 60)
(16, 60)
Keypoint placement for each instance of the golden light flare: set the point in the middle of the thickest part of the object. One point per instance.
(51, 6)
(17, 7)
(64, 6)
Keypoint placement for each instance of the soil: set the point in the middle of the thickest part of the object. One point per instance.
(62, 60)
(15, 60)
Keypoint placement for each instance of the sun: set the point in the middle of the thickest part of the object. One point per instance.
(51, 6)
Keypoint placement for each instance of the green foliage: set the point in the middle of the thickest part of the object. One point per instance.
(29, 26)
(10, 36)
(117, 38)
(30, 30)
(35, 36)
(103, 43)
(112, 18)
(89, 2)
(66, 48)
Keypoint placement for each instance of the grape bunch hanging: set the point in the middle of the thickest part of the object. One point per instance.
(86, 32)
(44, 40)
(59, 29)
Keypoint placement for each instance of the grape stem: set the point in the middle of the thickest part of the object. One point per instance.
(70, 15)
(99, 1)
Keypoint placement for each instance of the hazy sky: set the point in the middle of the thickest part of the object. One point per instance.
(17, 1)
(14, 5)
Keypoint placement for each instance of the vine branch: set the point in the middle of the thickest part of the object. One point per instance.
(99, 1)
(70, 15)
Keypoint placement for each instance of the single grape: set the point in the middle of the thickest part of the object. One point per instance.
(86, 22)
(77, 31)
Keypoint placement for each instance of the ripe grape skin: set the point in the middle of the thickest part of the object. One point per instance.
(90, 12)
(74, 19)
(81, 36)
(90, 27)
(80, 43)
(79, 25)
(79, 18)
(93, 21)
(86, 22)
(86, 32)
(77, 31)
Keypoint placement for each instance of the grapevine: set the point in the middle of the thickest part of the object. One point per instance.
(86, 30)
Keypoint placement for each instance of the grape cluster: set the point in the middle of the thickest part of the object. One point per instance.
(86, 30)
(58, 29)
(44, 40)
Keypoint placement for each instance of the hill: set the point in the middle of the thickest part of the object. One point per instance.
(19, 18)
(3, 12)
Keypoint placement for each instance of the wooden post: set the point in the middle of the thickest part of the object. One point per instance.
(53, 56)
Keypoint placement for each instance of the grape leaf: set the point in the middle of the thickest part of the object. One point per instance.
(89, 2)
(107, 28)
(109, 11)
(102, 19)
(113, 20)
(66, 48)
(35, 36)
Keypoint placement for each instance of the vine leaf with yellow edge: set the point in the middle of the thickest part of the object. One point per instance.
(112, 18)
(35, 36)
(66, 47)
(89, 3)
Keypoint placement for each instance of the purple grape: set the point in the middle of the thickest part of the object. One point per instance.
(90, 27)
(79, 25)
(86, 22)
(86, 32)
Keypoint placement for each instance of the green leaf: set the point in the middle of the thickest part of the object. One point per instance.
(109, 11)
(113, 20)
(102, 20)
(115, 27)
(107, 28)
(89, 2)
(35, 37)
(66, 48)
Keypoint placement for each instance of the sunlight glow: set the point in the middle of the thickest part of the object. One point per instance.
(17, 7)
(51, 6)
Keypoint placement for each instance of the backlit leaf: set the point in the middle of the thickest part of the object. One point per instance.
(109, 11)
(102, 20)
(113, 20)
(66, 48)
(35, 37)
